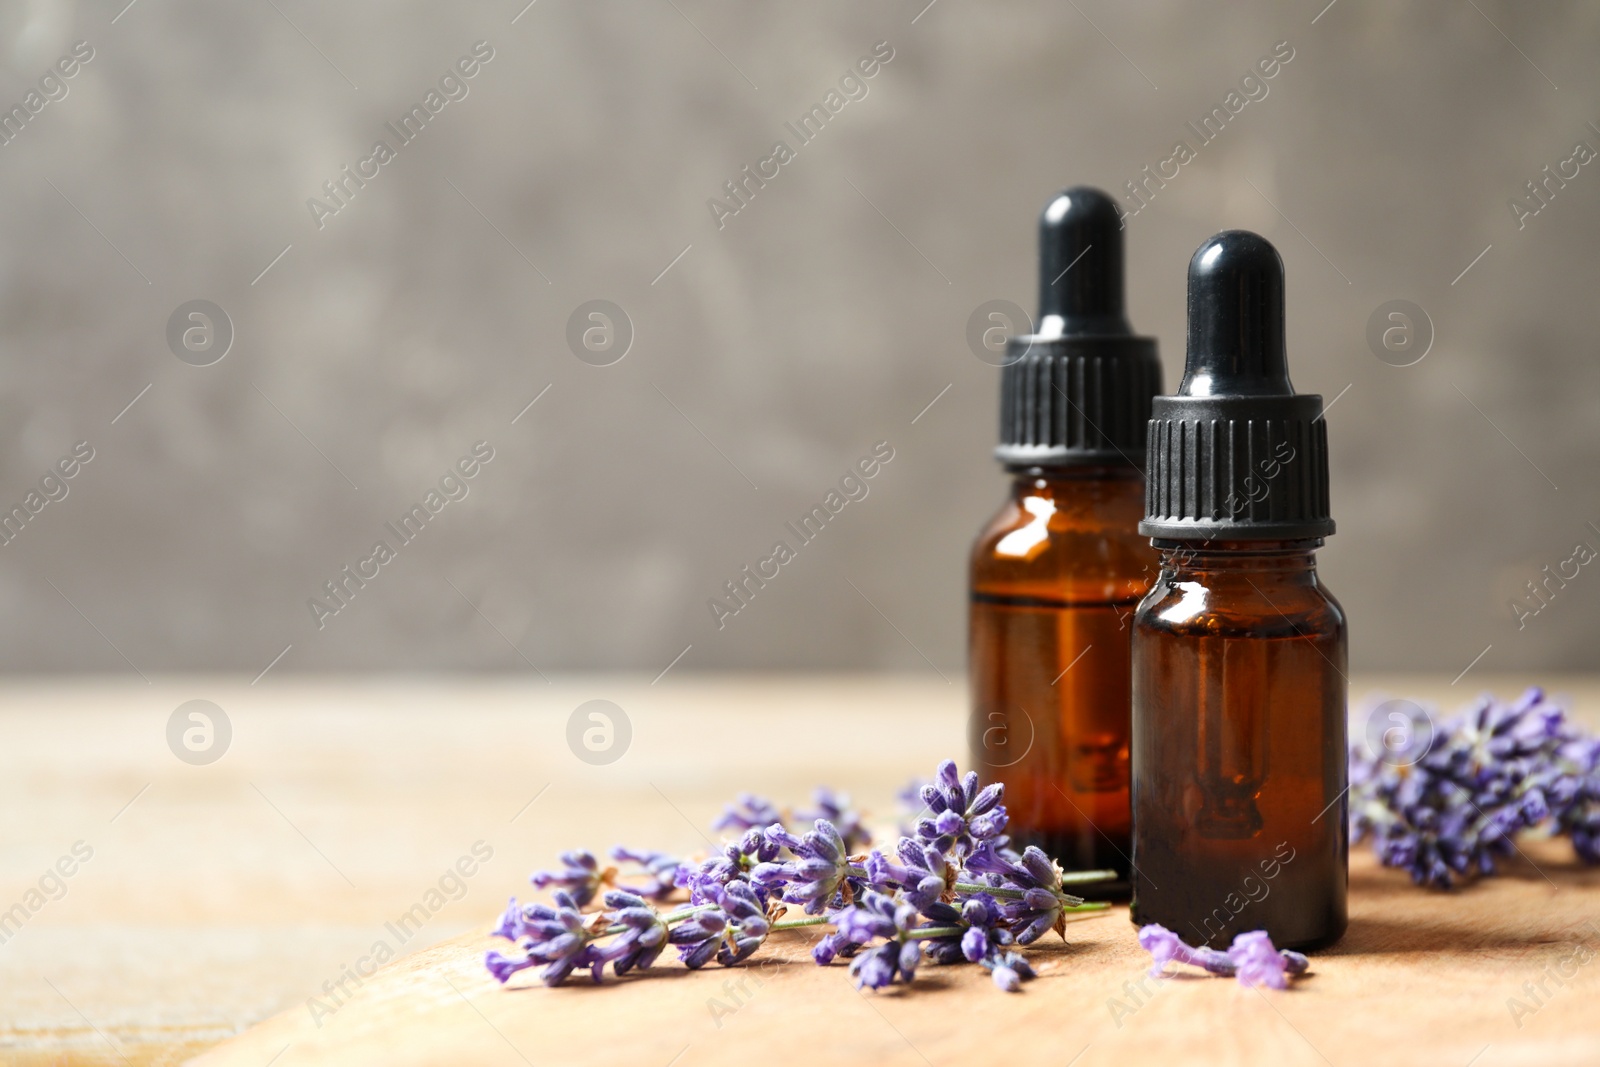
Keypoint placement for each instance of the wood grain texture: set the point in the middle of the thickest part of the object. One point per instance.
(221, 898)
(1418, 979)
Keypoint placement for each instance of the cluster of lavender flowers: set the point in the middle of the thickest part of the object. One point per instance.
(1251, 958)
(1492, 772)
(950, 890)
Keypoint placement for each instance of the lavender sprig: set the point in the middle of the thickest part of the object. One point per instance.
(952, 892)
(1251, 959)
(1491, 773)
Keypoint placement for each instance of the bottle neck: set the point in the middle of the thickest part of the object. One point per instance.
(1118, 478)
(1286, 558)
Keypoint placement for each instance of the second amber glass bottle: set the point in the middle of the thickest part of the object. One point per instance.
(1239, 650)
(1056, 575)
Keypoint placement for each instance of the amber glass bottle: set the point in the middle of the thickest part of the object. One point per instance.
(1239, 650)
(1056, 575)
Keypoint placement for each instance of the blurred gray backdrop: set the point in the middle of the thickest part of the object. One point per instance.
(421, 308)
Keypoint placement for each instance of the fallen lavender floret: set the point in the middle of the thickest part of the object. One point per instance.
(1251, 959)
(1259, 963)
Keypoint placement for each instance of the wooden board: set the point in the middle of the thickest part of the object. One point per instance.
(1420, 978)
(221, 897)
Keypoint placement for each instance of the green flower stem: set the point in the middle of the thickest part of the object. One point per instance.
(929, 932)
(792, 924)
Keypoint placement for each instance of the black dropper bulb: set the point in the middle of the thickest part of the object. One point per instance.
(1236, 333)
(1080, 266)
(1077, 390)
(1236, 453)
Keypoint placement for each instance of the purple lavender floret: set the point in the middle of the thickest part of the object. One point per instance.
(731, 930)
(1252, 958)
(1009, 970)
(816, 876)
(661, 868)
(1166, 947)
(877, 916)
(1492, 772)
(1043, 904)
(963, 815)
(553, 936)
(836, 808)
(1257, 962)
(580, 875)
(737, 861)
(749, 812)
(981, 932)
(698, 937)
(1575, 796)
(922, 873)
(643, 937)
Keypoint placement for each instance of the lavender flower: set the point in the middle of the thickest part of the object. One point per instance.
(731, 930)
(1009, 970)
(735, 862)
(835, 808)
(878, 916)
(554, 936)
(580, 876)
(1252, 957)
(698, 937)
(641, 940)
(749, 812)
(922, 873)
(1043, 903)
(1165, 946)
(963, 815)
(661, 868)
(816, 877)
(1491, 773)
(1258, 963)
(1575, 796)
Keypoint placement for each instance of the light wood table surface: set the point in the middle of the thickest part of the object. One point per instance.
(219, 898)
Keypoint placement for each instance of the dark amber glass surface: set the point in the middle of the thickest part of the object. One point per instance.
(1239, 752)
(1056, 577)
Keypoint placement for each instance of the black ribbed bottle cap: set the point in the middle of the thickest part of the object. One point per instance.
(1237, 454)
(1077, 391)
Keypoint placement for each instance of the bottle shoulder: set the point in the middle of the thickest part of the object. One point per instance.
(1086, 534)
(1241, 604)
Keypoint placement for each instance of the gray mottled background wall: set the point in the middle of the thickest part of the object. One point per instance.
(374, 345)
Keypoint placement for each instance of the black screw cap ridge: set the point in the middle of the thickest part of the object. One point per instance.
(1080, 266)
(1236, 331)
(1077, 391)
(1237, 454)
